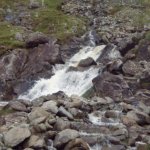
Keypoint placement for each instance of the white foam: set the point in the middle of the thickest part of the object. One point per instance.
(70, 82)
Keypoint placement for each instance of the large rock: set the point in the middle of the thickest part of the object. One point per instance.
(34, 39)
(61, 125)
(64, 112)
(16, 136)
(131, 68)
(38, 113)
(20, 68)
(140, 117)
(16, 105)
(65, 136)
(50, 106)
(87, 62)
(113, 86)
(36, 142)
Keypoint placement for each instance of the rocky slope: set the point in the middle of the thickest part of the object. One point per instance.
(36, 35)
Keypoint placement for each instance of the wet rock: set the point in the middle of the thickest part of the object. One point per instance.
(16, 136)
(16, 105)
(38, 113)
(36, 142)
(50, 106)
(65, 136)
(77, 144)
(87, 62)
(35, 39)
(64, 112)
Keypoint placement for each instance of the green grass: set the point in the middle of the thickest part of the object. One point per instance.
(48, 19)
(51, 20)
(7, 35)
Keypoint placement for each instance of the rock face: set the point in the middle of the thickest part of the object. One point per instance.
(16, 135)
(65, 136)
(111, 85)
(21, 67)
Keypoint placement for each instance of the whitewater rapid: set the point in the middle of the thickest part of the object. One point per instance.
(70, 82)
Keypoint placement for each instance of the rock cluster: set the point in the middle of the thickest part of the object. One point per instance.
(61, 122)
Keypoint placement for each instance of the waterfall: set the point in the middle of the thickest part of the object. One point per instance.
(70, 82)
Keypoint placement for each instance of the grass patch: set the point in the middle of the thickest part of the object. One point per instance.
(51, 20)
(48, 18)
(115, 8)
(143, 18)
(7, 35)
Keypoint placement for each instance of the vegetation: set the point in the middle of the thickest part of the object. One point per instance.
(7, 37)
(52, 20)
(48, 19)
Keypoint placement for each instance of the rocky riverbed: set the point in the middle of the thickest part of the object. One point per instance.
(98, 54)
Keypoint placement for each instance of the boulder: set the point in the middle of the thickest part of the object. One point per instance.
(64, 112)
(16, 105)
(61, 125)
(140, 117)
(87, 62)
(36, 142)
(50, 106)
(36, 38)
(131, 68)
(65, 136)
(113, 86)
(141, 146)
(16, 136)
(38, 113)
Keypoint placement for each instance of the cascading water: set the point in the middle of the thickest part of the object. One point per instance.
(70, 82)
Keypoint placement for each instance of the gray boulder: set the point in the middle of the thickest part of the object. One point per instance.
(65, 136)
(16, 136)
